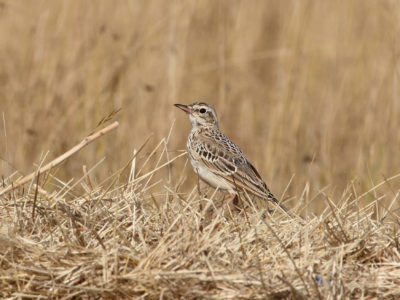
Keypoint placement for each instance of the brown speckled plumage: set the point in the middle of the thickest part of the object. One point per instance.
(216, 159)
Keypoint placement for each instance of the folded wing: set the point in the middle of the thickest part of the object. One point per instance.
(224, 158)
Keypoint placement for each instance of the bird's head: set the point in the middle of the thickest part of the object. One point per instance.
(200, 114)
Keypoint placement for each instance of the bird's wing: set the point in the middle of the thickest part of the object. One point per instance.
(225, 159)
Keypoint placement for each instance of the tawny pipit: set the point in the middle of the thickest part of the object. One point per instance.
(217, 160)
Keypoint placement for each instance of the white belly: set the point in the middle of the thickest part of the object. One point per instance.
(212, 179)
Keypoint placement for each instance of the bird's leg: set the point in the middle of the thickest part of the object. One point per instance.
(230, 199)
(225, 203)
(198, 190)
(236, 201)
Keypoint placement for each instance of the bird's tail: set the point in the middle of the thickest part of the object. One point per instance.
(272, 198)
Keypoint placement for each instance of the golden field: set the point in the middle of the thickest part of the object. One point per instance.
(308, 89)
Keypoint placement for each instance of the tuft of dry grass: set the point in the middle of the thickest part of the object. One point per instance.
(145, 238)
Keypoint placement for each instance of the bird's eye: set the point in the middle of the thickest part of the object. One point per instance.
(202, 111)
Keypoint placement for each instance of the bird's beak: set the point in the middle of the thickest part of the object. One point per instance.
(185, 108)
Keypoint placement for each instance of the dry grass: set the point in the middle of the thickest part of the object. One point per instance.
(117, 241)
(314, 83)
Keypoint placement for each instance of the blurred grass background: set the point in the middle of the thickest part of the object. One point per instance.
(305, 88)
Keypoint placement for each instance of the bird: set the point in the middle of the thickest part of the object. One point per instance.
(217, 160)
